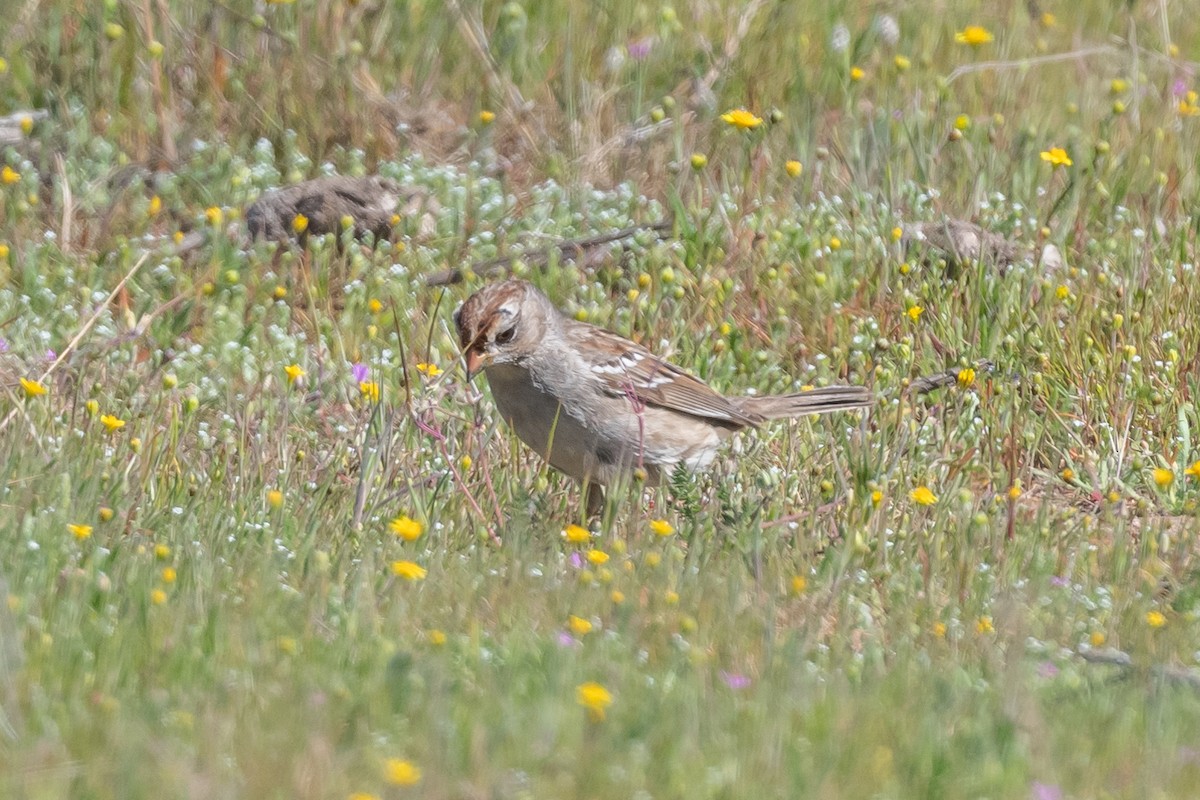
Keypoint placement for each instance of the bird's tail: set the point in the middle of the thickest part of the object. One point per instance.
(813, 401)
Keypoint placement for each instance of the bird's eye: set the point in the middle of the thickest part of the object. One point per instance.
(506, 336)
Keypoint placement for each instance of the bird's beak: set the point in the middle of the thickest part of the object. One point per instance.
(476, 361)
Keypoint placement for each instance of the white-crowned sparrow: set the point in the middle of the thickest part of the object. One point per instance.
(596, 405)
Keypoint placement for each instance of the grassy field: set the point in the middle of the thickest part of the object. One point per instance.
(259, 539)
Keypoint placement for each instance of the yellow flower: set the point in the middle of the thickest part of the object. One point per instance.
(155, 206)
(1048, 20)
(369, 390)
(408, 570)
(275, 498)
(699, 161)
(105, 513)
(939, 630)
(436, 637)
(835, 243)
(33, 388)
(1062, 292)
(1188, 105)
(162, 552)
(374, 305)
(578, 625)
(429, 370)
(922, 496)
(1014, 492)
(793, 168)
(966, 377)
(741, 118)
(487, 117)
(902, 63)
(8, 175)
(80, 532)
(577, 534)
(1193, 471)
(214, 215)
(1155, 619)
(169, 575)
(595, 698)
(1118, 86)
(799, 584)
(1067, 474)
(3, 251)
(1057, 156)
(984, 625)
(857, 74)
(876, 497)
(92, 407)
(294, 372)
(617, 596)
(597, 557)
(1163, 477)
(661, 527)
(915, 312)
(399, 772)
(299, 223)
(962, 122)
(974, 35)
(406, 528)
(362, 796)
(280, 292)
(112, 423)
(1098, 639)
(158, 597)
(897, 233)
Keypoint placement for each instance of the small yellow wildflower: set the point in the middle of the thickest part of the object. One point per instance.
(595, 698)
(436, 637)
(939, 630)
(835, 243)
(793, 168)
(4, 251)
(280, 292)
(406, 528)
(154, 207)
(876, 497)
(966, 378)
(1067, 474)
(974, 35)
(9, 176)
(1188, 106)
(294, 372)
(699, 161)
(92, 407)
(597, 557)
(617, 596)
(1163, 477)
(1014, 492)
(429, 370)
(214, 215)
(962, 122)
(661, 527)
(857, 74)
(299, 223)
(362, 796)
(1097, 639)
(487, 117)
(897, 233)
(1057, 157)
(162, 552)
(984, 625)
(902, 63)
(374, 305)
(275, 498)
(578, 625)
(915, 312)
(33, 388)
(465, 462)
(105, 513)
(408, 570)
(399, 772)
(742, 119)
(158, 597)
(1155, 619)
(80, 532)
(112, 423)
(923, 496)
(799, 584)
(169, 575)
(576, 534)
(1062, 292)
(1048, 20)
(369, 390)
(1193, 471)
